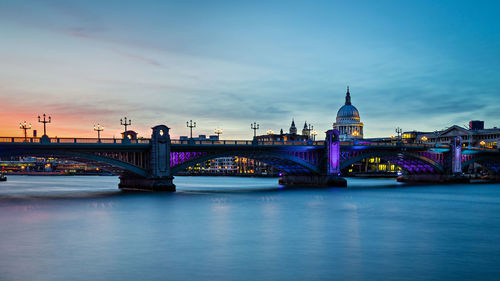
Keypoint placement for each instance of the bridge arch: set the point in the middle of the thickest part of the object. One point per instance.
(490, 163)
(102, 162)
(282, 161)
(409, 162)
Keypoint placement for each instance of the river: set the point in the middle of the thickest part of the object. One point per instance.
(226, 228)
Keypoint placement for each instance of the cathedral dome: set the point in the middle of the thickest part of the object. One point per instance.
(348, 111)
(348, 122)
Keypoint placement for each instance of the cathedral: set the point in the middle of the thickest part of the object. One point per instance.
(348, 122)
(292, 134)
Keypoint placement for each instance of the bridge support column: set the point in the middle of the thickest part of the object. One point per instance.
(453, 168)
(160, 177)
(331, 173)
(332, 143)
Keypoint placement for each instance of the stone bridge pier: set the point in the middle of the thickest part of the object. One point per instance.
(452, 168)
(159, 175)
(330, 167)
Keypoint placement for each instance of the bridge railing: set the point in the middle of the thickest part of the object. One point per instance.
(64, 140)
(73, 140)
(394, 143)
(244, 142)
(16, 139)
(480, 148)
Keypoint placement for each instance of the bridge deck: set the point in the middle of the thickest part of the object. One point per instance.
(144, 142)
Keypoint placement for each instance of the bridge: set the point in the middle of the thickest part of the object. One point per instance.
(151, 164)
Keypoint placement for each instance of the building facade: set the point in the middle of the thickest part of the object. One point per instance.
(348, 122)
(290, 136)
(474, 136)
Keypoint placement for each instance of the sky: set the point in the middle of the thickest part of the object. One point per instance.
(418, 65)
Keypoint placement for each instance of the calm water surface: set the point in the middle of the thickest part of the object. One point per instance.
(84, 228)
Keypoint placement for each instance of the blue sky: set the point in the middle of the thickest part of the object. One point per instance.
(421, 65)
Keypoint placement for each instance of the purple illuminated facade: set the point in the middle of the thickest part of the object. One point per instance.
(456, 162)
(333, 152)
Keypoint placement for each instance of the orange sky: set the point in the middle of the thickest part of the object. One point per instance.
(63, 124)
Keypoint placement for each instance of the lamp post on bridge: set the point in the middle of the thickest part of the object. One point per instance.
(98, 128)
(191, 125)
(482, 144)
(436, 135)
(254, 127)
(25, 127)
(470, 135)
(218, 132)
(45, 122)
(399, 131)
(314, 133)
(270, 132)
(126, 123)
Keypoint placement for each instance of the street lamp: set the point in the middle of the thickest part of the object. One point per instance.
(125, 123)
(482, 143)
(217, 131)
(254, 127)
(470, 135)
(191, 125)
(25, 127)
(98, 128)
(314, 133)
(436, 135)
(399, 131)
(309, 130)
(355, 133)
(44, 121)
(424, 138)
(270, 132)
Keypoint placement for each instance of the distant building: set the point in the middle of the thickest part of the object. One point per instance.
(225, 165)
(475, 136)
(306, 131)
(348, 122)
(293, 129)
(291, 136)
(33, 165)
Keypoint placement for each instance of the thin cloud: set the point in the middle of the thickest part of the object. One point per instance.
(138, 57)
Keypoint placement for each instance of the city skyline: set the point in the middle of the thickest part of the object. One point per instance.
(419, 66)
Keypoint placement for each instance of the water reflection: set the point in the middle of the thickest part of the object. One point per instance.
(83, 228)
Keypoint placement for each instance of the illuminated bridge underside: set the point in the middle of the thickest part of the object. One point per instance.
(290, 162)
(410, 162)
(492, 164)
(114, 162)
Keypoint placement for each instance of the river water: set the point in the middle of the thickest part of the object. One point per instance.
(223, 228)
